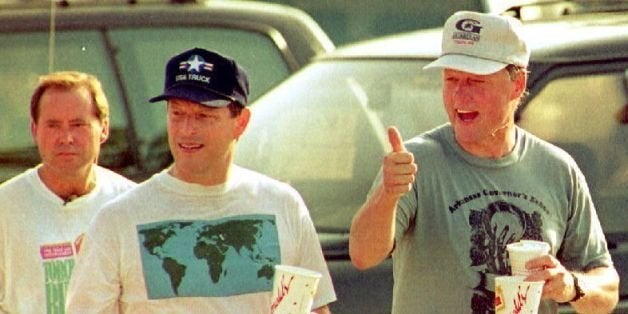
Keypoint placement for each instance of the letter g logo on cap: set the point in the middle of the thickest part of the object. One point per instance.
(469, 25)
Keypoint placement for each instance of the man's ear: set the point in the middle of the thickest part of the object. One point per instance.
(521, 82)
(34, 130)
(104, 133)
(242, 122)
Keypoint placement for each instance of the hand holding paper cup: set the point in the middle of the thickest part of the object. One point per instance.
(513, 295)
(293, 290)
(521, 252)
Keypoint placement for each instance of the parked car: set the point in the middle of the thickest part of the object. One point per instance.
(349, 21)
(127, 45)
(324, 129)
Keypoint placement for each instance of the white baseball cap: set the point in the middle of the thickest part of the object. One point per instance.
(481, 43)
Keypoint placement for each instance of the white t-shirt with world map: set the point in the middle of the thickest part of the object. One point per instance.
(171, 246)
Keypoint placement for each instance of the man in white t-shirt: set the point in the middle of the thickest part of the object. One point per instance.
(204, 235)
(46, 209)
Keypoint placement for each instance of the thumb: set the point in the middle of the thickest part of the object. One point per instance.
(394, 137)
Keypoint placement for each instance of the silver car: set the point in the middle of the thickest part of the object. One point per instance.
(324, 129)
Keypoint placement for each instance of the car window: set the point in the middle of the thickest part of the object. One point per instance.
(328, 141)
(134, 58)
(24, 58)
(146, 51)
(582, 114)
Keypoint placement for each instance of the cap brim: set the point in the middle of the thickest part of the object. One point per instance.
(466, 64)
(194, 94)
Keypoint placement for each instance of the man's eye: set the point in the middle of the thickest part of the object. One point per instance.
(52, 125)
(177, 114)
(209, 117)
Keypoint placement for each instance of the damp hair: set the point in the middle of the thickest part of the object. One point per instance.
(70, 80)
(513, 72)
(235, 109)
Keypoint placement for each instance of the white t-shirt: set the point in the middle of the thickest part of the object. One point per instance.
(40, 236)
(172, 247)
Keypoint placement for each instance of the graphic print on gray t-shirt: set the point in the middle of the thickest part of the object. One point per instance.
(492, 228)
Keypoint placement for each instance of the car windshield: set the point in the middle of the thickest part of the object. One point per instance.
(140, 53)
(328, 142)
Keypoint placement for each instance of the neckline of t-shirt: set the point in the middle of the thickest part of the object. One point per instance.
(484, 162)
(179, 186)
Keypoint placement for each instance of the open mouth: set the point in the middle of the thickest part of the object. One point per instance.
(466, 115)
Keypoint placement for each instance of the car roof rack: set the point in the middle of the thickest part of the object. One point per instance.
(531, 9)
(550, 9)
(72, 3)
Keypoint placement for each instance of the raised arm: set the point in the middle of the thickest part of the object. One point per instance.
(373, 228)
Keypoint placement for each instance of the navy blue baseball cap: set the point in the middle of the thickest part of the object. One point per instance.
(205, 77)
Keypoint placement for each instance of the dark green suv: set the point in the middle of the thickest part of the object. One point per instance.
(127, 45)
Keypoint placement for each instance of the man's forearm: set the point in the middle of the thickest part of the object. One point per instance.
(372, 230)
(322, 310)
(601, 291)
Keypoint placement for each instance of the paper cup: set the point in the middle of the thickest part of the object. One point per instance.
(521, 252)
(293, 290)
(513, 295)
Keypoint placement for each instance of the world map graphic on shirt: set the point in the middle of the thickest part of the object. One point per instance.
(230, 256)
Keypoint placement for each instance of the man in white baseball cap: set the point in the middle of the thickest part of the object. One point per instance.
(481, 43)
(484, 183)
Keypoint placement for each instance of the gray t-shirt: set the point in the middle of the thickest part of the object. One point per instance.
(453, 227)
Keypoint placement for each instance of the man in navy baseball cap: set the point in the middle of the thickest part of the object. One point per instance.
(201, 210)
(205, 77)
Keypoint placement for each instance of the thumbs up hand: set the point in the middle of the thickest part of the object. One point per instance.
(399, 168)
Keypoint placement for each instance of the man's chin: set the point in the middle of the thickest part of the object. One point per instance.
(465, 135)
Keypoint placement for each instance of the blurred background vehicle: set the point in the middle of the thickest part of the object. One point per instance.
(126, 45)
(349, 21)
(324, 129)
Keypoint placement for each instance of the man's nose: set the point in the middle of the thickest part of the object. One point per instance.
(66, 137)
(462, 89)
(190, 125)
